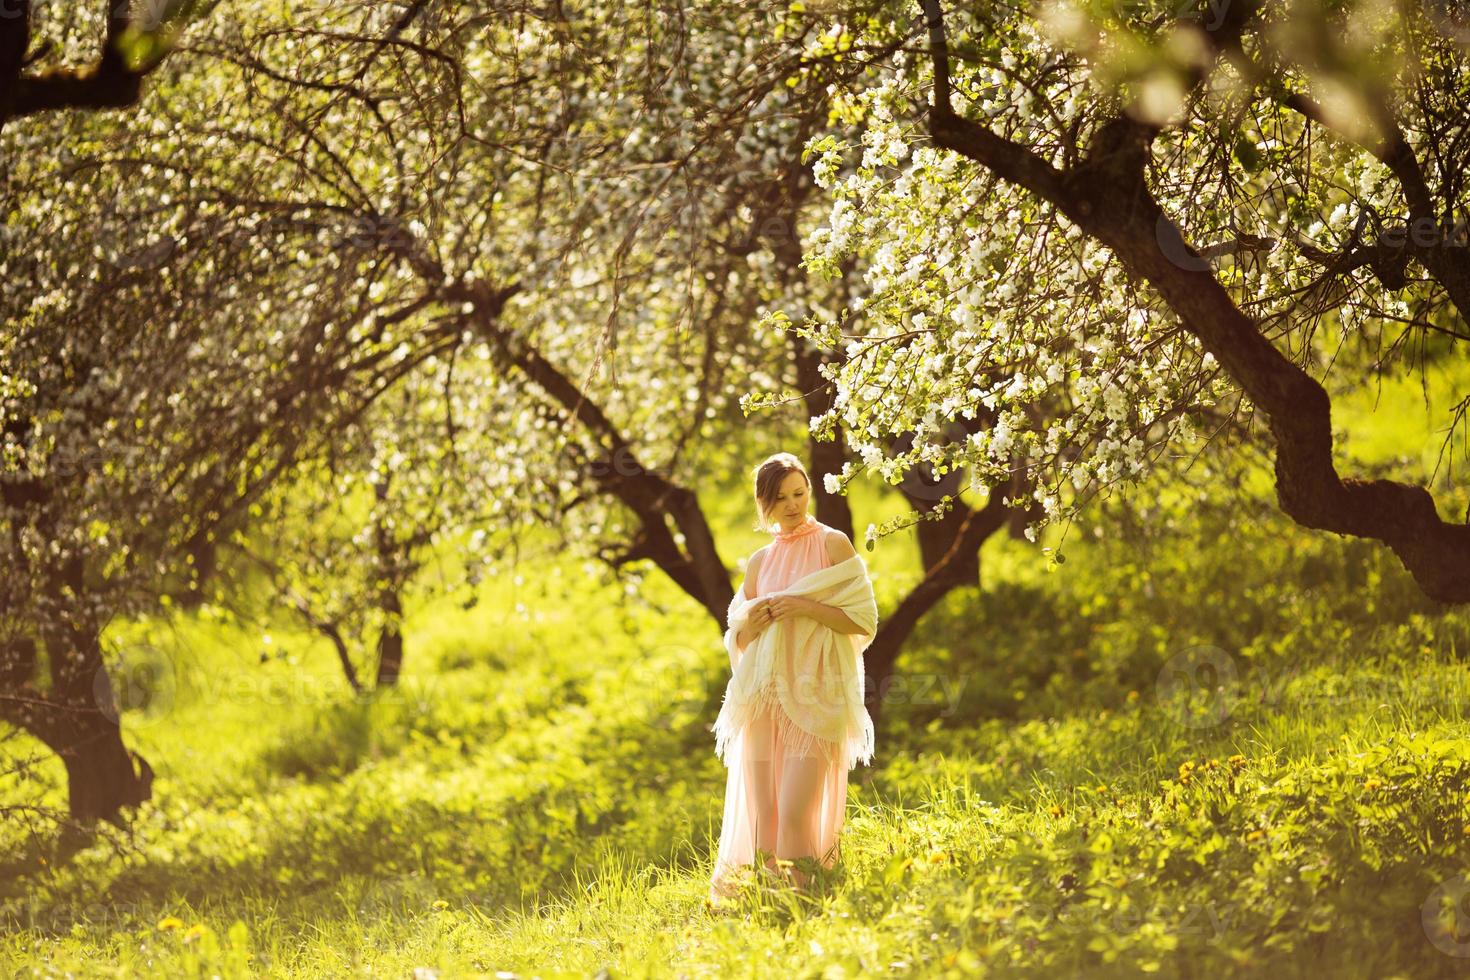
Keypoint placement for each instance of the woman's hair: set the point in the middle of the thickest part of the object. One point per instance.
(768, 477)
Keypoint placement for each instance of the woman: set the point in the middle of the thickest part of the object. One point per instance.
(793, 722)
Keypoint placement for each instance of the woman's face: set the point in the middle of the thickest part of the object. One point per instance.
(790, 506)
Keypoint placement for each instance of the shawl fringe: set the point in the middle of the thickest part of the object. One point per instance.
(854, 751)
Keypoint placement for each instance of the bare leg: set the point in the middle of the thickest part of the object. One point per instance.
(802, 778)
(759, 761)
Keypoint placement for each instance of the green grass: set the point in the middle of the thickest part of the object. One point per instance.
(1397, 424)
(540, 795)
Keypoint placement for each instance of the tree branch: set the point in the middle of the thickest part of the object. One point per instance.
(1107, 196)
(110, 83)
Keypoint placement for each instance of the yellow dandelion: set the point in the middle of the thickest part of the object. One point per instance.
(170, 922)
(195, 931)
(1236, 761)
(1055, 811)
(1372, 784)
(441, 904)
(1255, 835)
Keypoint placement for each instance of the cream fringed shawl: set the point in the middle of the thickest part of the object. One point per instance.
(812, 671)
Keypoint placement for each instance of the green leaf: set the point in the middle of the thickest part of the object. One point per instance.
(1246, 154)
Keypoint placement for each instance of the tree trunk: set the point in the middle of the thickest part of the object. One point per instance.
(83, 727)
(103, 775)
(100, 772)
(823, 457)
(947, 567)
(391, 563)
(203, 549)
(390, 645)
(15, 40)
(882, 654)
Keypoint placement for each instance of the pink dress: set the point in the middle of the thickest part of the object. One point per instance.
(777, 799)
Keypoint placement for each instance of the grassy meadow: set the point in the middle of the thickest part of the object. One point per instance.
(1210, 743)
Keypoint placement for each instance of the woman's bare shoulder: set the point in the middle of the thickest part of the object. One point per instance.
(752, 566)
(839, 547)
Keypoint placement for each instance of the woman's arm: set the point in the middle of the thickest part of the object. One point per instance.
(829, 616)
(743, 637)
(751, 631)
(839, 548)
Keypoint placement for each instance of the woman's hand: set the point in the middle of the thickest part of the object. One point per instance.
(786, 606)
(755, 623)
(761, 616)
(764, 612)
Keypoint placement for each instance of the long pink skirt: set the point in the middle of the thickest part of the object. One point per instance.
(777, 801)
